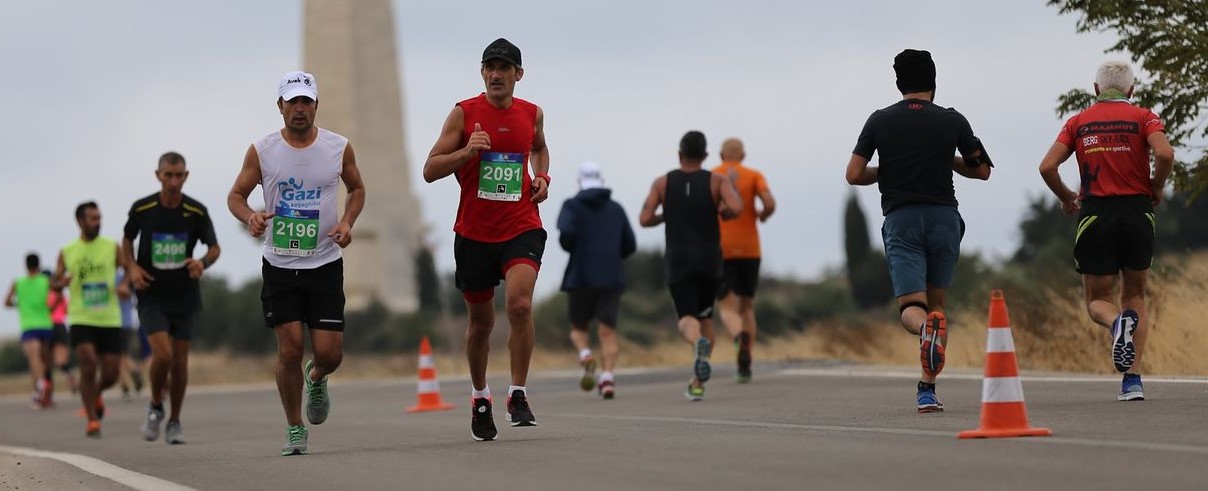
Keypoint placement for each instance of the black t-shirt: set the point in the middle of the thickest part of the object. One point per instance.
(693, 238)
(915, 140)
(167, 237)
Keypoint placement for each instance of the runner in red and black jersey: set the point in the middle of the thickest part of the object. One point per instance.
(1115, 237)
(489, 142)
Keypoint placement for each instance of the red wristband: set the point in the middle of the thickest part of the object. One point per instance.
(543, 176)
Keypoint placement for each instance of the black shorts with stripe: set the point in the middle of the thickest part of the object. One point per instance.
(1114, 233)
(313, 296)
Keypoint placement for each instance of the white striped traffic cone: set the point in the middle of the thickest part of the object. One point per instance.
(429, 387)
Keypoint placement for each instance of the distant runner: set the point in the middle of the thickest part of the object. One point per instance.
(29, 294)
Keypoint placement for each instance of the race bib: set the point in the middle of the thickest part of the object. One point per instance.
(295, 232)
(168, 251)
(501, 176)
(96, 295)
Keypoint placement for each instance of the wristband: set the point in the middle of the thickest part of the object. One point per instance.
(206, 262)
(543, 176)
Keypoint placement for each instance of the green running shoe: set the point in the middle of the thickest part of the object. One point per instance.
(295, 441)
(318, 404)
(695, 393)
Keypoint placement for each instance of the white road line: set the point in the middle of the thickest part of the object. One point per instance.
(141, 482)
(1082, 442)
(887, 373)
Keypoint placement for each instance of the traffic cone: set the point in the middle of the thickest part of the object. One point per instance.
(1003, 411)
(429, 386)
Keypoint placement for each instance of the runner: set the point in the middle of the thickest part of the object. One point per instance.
(915, 140)
(299, 169)
(595, 231)
(168, 224)
(490, 141)
(741, 252)
(59, 340)
(1115, 207)
(693, 246)
(88, 268)
(29, 295)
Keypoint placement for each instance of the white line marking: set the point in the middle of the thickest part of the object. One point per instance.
(841, 372)
(1083, 442)
(141, 482)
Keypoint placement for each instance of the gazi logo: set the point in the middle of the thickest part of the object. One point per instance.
(293, 193)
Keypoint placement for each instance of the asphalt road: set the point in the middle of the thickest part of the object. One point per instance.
(797, 426)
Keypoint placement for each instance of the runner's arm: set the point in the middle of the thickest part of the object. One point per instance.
(1163, 157)
(568, 232)
(448, 154)
(629, 243)
(57, 281)
(859, 173)
(355, 187)
(727, 195)
(245, 182)
(539, 159)
(124, 288)
(768, 202)
(648, 217)
(1058, 154)
(10, 299)
(981, 172)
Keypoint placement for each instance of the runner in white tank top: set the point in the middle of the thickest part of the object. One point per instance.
(299, 169)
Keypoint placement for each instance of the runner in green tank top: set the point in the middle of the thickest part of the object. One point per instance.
(29, 294)
(88, 268)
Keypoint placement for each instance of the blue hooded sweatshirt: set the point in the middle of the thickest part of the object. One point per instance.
(595, 231)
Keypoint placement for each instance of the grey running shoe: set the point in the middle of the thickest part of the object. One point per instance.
(295, 441)
(173, 435)
(151, 425)
(589, 374)
(695, 393)
(318, 404)
(1123, 350)
(700, 366)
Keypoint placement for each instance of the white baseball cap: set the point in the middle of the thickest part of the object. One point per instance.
(589, 176)
(294, 84)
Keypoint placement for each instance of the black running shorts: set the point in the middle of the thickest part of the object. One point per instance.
(694, 295)
(1114, 233)
(106, 340)
(154, 319)
(740, 276)
(481, 265)
(593, 303)
(313, 296)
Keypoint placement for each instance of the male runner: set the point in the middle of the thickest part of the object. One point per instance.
(29, 295)
(922, 232)
(299, 169)
(595, 231)
(168, 224)
(1115, 235)
(691, 199)
(489, 142)
(741, 252)
(88, 268)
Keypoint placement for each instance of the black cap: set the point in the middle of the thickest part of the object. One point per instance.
(502, 49)
(692, 145)
(915, 70)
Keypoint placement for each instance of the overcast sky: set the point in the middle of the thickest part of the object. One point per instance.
(93, 92)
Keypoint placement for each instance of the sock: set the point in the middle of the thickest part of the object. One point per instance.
(584, 353)
(485, 393)
(514, 388)
(926, 386)
(744, 340)
(158, 407)
(606, 377)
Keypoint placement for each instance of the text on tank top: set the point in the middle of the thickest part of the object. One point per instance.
(301, 188)
(92, 294)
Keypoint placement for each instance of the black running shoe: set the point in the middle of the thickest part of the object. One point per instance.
(519, 413)
(482, 424)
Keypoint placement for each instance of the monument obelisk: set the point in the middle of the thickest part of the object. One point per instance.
(350, 48)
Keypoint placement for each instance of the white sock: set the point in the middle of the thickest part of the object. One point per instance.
(514, 388)
(584, 353)
(606, 377)
(485, 393)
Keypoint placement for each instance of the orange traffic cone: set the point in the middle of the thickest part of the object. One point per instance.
(429, 387)
(1003, 411)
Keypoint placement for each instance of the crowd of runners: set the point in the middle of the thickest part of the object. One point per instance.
(494, 146)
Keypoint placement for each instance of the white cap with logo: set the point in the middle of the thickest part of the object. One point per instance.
(295, 84)
(589, 176)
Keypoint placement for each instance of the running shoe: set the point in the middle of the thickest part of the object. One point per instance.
(519, 413)
(695, 393)
(295, 441)
(700, 366)
(35, 399)
(137, 378)
(927, 400)
(1131, 388)
(150, 427)
(1123, 350)
(93, 430)
(318, 404)
(743, 345)
(932, 336)
(173, 434)
(46, 395)
(589, 374)
(100, 408)
(607, 389)
(482, 424)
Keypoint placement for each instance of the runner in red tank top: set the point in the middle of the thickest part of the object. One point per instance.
(490, 142)
(1115, 235)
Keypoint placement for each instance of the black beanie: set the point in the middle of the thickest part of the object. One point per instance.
(916, 71)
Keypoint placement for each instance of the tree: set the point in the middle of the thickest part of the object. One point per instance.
(1169, 39)
(428, 281)
(867, 271)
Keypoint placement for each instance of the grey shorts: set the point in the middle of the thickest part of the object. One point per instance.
(922, 244)
(153, 319)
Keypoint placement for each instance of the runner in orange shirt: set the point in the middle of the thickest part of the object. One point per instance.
(740, 250)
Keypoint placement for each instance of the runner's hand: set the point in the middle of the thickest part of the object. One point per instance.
(479, 140)
(342, 234)
(540, 189)
(1158, 192)
(257, 222)
(140, 277)
(1071, 205)
(123, 290)
(196, 268)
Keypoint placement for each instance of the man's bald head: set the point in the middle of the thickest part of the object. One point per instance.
(732, 151)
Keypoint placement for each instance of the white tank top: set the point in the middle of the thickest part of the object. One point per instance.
(301, 187)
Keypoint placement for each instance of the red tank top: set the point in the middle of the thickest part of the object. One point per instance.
(496, 189)
(1110, 140)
